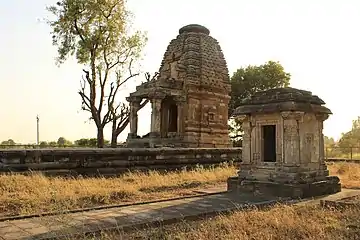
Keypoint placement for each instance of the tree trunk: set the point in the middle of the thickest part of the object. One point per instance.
(113, 140)
(113, 134)
(100, 137)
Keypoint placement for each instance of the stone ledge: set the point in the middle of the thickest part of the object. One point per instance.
(344, 203)
(329, 186)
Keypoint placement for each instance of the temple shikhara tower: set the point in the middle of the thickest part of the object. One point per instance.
(190, 96)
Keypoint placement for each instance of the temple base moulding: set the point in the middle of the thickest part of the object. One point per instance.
(330, 185)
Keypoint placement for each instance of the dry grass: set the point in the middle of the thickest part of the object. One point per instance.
(349, 173)
(35, 194)
(281, 222)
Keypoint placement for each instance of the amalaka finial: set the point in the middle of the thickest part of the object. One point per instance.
(194, 28)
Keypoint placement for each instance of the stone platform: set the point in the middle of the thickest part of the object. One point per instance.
(70, 226)
(344, 203)
(330, 185)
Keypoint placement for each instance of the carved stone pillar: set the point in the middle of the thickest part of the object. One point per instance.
(155, 115)
(180, 101)
(291, 137)
(133, 118)
(180, 118)
(321, 118)
(246, 142)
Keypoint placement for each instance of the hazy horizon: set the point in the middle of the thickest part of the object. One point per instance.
(317, 42)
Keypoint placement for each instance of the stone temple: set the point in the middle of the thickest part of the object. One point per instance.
(283, 145)
(190, 96)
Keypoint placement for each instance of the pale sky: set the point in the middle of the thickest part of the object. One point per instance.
(318, 42)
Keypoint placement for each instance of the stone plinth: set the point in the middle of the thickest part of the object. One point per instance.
(327, 186)
(110, 161)
(283, 146)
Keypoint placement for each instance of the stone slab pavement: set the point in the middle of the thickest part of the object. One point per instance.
(68, 226)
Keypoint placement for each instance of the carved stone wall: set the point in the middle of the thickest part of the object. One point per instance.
(196, 59)
(291, 138)
(299, 142)
(310, 137)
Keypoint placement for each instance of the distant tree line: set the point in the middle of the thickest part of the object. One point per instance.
(348, 144)
(61, 142)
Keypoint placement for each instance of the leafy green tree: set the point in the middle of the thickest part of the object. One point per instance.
(97, 32)
(246, 81)
(83, 142)
(329, 142)
(92, 142)
(331, 147)
(62, 142)
(350, 140)
(8, 142)
(43, 144)
(88, 142)
(53, 144)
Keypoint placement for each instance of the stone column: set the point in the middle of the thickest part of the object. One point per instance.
(180, 118)
(321, 118)
(291, 137)
(246, 143)
(133, 118)
(180, 101)
(155, 117)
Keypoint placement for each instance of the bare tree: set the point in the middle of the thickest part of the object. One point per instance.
(120, 112)
(97, 33)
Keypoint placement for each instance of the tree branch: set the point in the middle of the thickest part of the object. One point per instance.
(87, 76)
(121, 126)
(144, 103)
(77, 29)
(123, 118)
(85, 99)
(107, 64)
(113, 92)
(236, 136)
(131, 75)
(118, 61)
(102, 89)
(110, 11)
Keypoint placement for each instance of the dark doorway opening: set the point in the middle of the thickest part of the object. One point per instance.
(269, 143)
(173, 118)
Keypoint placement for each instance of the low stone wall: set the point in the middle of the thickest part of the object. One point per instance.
(111, 161)
(344, 160)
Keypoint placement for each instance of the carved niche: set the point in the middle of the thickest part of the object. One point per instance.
(173, 70)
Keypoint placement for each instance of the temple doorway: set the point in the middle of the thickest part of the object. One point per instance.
(169, 116)
(268, 143)
(173, 118)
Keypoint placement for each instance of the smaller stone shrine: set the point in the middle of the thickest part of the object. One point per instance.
(283, 145)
